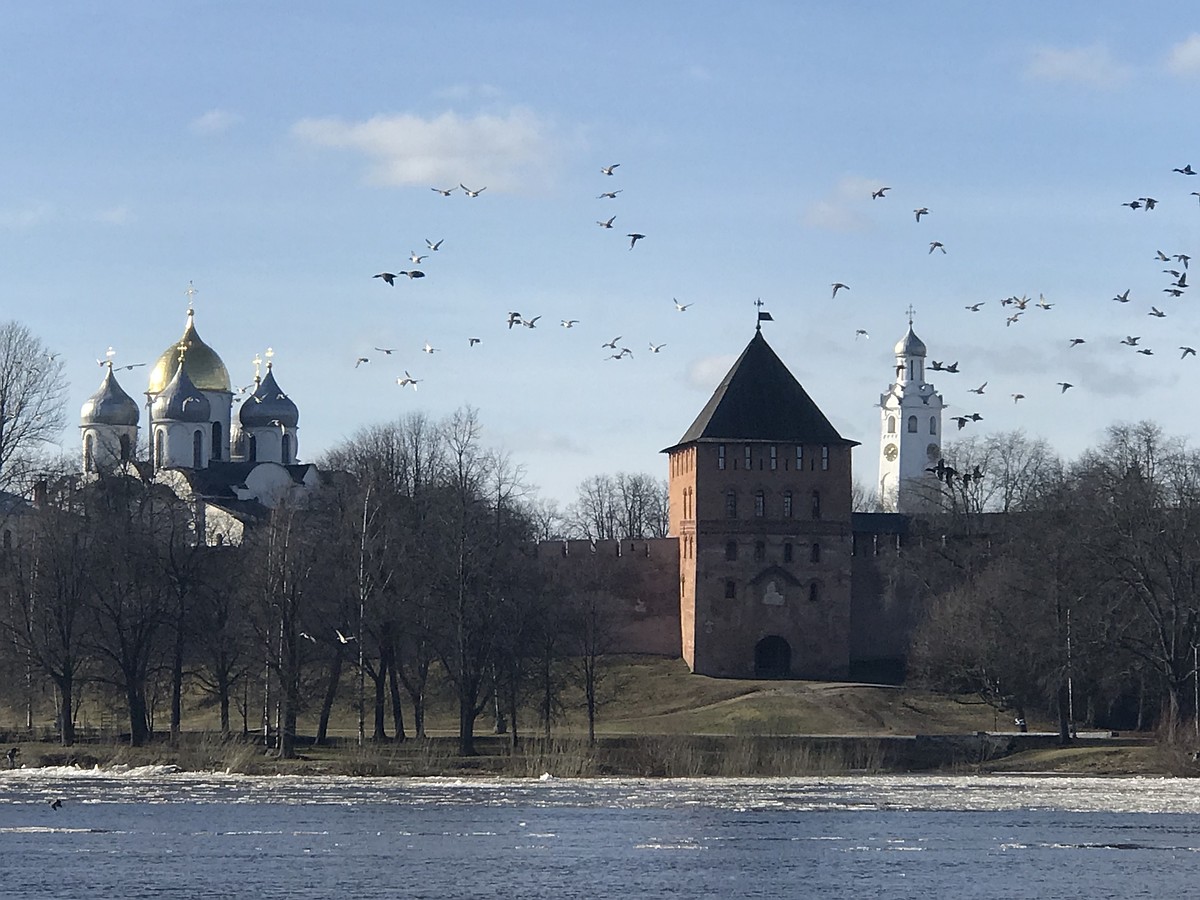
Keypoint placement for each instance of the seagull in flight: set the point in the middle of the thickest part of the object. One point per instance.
(612, 345)
(445, 192)
(608, 195)
(861, 332)
(362, 359)
(922, 211)
(407, 380)
(607, 223)
(1161, 257)
(431, 245)
(429, 348)
(530, 323)
(569, 323)
(471, 193)
(1042, 304)
(975, 307)
(633, 239)
(654, 348)
(389, 277)
(608, 170)
(416, 258)
(879, 192)
(342, 639)
(837, 286)
(386, 351)
(681, 307)
(978, 390)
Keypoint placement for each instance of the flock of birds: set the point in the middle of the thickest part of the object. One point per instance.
(514, 317)
(1014, 308)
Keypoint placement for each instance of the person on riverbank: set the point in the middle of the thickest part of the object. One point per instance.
(11, 756)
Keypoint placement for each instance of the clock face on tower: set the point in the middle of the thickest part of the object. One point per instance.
(890, 452)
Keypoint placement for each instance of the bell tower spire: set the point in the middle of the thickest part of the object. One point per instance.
(910, 426)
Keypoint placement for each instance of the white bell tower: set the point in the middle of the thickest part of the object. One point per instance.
(910, 427)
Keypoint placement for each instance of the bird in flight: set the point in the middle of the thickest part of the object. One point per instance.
(342, 639)
(681, 307)
(1146, 351)
(633, 239)
(607, 223)
(1075, 342)
(1186, 170)
(1042, 304)
(879, 192)
(445, 192)
(387, 351)
(416, 258)
(569, 323)
(431, 245)
(471, 342)
(838, 286)
(979, 390)
(936, 245)
(514, 318)
(389, 277)
(861, 332)
(530, 323)
(429, 348)
(922, 211)
(1133, 204)
(128, 367)
(612, 345)
(1130, 340)
(1148, 202)
(1183, 258)
(1187, 351)
(961, 421)
(608, 195)
(407, 380)
(362, 359)
(975, 307)
(471, 193)
(1065, 385)
(1156, 312)
(654, 348)
(1161, 257)
(1017, 397)
(1122, 298)
(412, 273)
(608, 170)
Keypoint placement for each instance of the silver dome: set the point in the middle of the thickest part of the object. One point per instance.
(109, 405)
(268, 406)
(181, 401)
(910, 344)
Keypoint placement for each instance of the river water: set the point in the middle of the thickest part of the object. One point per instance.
(152, 832)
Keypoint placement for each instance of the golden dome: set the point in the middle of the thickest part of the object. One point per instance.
(200, 362)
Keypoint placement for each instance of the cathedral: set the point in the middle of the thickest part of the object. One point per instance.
(233, 468)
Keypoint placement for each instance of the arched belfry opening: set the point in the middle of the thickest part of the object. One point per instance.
(772, 658)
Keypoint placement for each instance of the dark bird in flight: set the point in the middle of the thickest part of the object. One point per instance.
(1187, 351)
(412, 273)
(1183, 258)
(1122, 298)
(1075, 342)
(961, 421)
(879, 192)
(1130, 341)
(1133, 204)
(1161, 257)
(1148, 202)
(389, 277)
(837, 286)
(922, 211)
(514, 318)
(976, 417)
(936, 245)
(612, 345)
(362, 359)
(1186, 170)
(471, 342)
(388, 351)
(606, 224)
(979, 390)
(975, 307)
(608, 170)
(1017, 397)
(608, 195)
(633, 239)
(1146, 351)
(1156, 312)
(1065, 385)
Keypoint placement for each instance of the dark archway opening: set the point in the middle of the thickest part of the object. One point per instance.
(772, 658)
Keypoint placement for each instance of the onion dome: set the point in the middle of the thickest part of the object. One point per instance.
(109, 405)
(268, 405)
(203, 366)
(910, 344)
(181, 401)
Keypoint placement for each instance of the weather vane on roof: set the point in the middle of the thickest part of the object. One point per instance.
(762, 316)
(191, 292)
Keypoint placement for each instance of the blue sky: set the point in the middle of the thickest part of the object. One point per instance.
(280, 154)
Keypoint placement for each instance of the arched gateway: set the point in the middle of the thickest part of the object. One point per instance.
(772, 658)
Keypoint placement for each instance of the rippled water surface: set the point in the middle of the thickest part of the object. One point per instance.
(155, 833)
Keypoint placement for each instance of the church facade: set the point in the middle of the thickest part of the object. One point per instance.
(232, 468)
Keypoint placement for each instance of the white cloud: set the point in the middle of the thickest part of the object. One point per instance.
(462, 92)
(839, 210)
(214, 121)
(496, 151)
(1094, 66)
(1184, 58)
(705, 374)
(29, 216)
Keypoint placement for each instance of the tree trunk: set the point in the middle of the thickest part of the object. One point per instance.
(1064, 721)
(139, 733)
(177, 683)
(394, 690)
(380, 734)
(331, 689)
(67, 729)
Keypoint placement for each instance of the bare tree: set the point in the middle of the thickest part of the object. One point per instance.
(32, 390)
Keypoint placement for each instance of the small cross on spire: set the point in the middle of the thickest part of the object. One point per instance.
(911, 312)
(191, 292)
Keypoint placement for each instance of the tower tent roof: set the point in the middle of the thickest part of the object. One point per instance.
(760, 400)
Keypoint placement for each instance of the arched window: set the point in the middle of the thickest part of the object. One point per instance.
(787, 504)
(731, 504)
(197, 449)
(933, 424)
(216, 440)
(814, 593)
(815, 554)
(816, 504)
(89, 449)
(252, 454)
(891, 424)
(286, 455)
(126, 448)
(787, 552)
(158, 448)
(731, 550)
(912, 424)
(760, 504)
